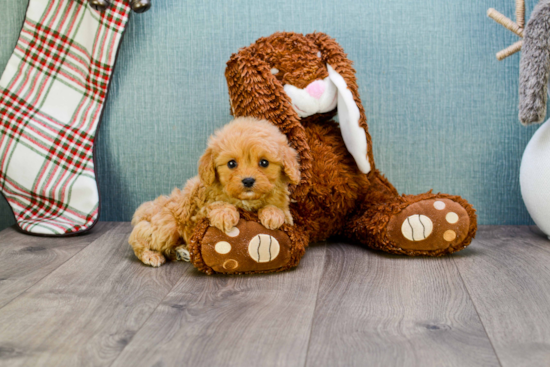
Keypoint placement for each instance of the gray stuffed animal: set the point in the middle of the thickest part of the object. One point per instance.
(535, 57)
(534, 175)
(535, 65)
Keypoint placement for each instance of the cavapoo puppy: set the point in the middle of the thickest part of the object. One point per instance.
(248, 164)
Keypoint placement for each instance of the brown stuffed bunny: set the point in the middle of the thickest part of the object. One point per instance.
(299, 82)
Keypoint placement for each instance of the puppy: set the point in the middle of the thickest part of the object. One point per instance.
(248, 164)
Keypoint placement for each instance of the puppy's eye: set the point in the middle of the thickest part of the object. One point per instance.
(232, 164)
(264, 163)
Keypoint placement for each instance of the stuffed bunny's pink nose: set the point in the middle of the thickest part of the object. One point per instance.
(316, 89)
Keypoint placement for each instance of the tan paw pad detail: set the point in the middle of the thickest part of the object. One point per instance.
(222, 247)
(230, 264)
(234, 232)
(263, 248)
(417, 227)
(449, 235)
(439, 205)
(451, 217)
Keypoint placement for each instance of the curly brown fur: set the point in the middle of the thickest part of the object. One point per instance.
(245, 149)
(334, 196)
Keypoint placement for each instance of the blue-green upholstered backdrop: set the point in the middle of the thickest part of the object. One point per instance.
(442, 110)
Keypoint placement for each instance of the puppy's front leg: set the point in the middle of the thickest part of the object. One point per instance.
(223, 216)
(271, 217)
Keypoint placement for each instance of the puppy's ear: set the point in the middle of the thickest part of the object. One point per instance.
(291, 165)
(255, 92)
(207, 168)
(353, 121)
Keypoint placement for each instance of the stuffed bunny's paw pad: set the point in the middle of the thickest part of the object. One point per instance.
(247, 248)
(429, 225)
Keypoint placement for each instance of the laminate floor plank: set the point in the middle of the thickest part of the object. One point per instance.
(87, 301)
(507, 272)
(375, 309)
(259, 320)
(87, 310)
(26, 259)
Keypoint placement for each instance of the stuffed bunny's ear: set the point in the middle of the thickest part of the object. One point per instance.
(354, 135)
(351, 114)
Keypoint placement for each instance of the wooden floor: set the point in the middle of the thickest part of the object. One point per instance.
(88, 301)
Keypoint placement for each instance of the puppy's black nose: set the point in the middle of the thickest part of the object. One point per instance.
(248, 182)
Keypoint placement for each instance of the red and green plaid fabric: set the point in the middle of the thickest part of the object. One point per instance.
(52, 94)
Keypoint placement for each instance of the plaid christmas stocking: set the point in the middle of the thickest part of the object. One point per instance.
(51, 98)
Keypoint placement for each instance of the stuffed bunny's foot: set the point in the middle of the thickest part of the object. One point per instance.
(429, 225)
(247, 248)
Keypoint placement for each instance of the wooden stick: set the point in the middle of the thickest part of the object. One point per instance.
(505, 21)
(509, 50)
(520, 13)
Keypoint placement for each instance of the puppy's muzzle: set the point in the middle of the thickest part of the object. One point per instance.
(248, 182)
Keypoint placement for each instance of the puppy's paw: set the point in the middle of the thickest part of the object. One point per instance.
(271, 217)
(152, 258)
(182, 254)
(224, 217)
(288, 218)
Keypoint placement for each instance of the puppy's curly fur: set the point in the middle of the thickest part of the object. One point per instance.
(235, 157)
